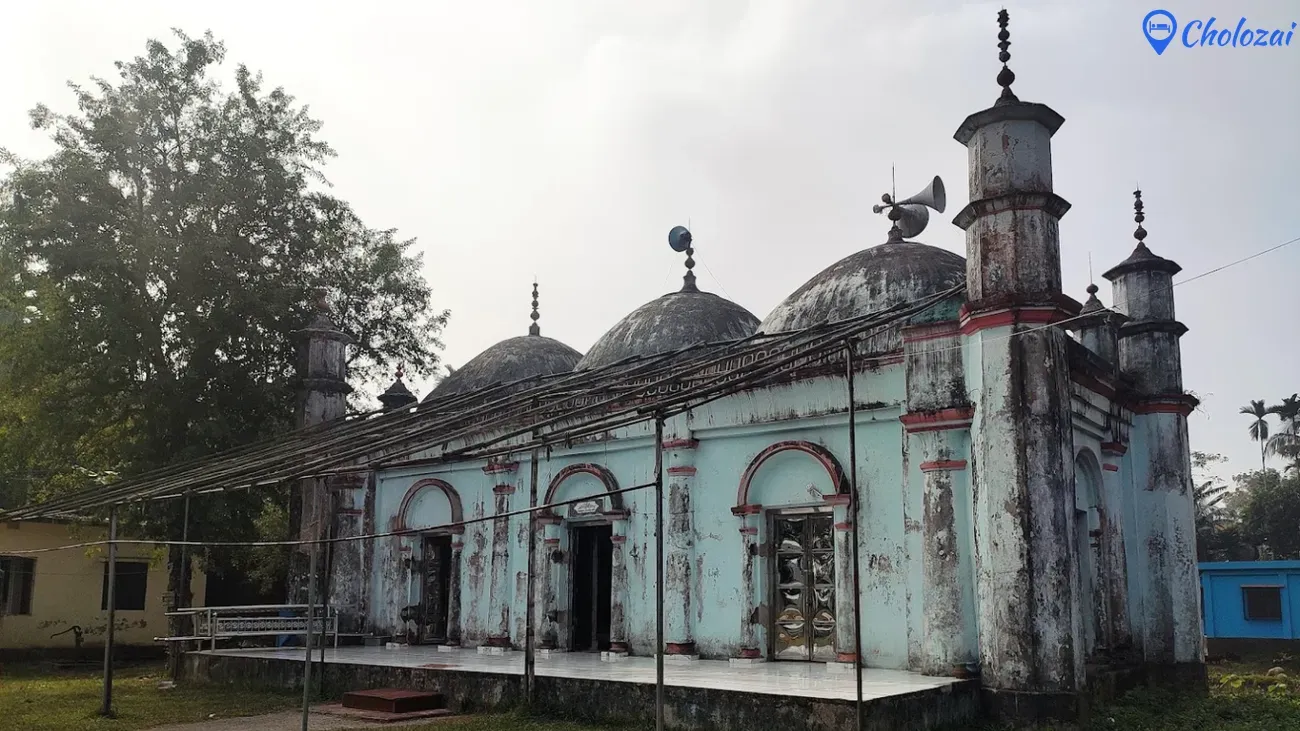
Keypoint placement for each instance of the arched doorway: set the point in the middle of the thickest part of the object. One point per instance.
(793, 503)
(431, 507)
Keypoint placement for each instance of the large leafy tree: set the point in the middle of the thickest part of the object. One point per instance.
(1272, 511)
(153, 268)
(1286, 442)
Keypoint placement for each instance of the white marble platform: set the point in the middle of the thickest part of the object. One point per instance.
(807, 680)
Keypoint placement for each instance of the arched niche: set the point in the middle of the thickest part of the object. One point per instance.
(792, 472)
(581, 481)
(1087, 481)
(431, 505)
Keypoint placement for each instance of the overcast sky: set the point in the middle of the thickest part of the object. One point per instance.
(563, 140)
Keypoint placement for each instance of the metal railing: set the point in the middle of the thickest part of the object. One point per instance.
(256, 620)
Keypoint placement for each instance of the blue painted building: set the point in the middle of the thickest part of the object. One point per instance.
(1251, 599)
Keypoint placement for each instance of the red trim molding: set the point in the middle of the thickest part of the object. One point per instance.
(503, 490)
(681, 470)
(497, 642)
(679, 648)
(931, 331)
(453, 500)
(943, 464)
(1092, 383)
(681, 443)
(600, 473)
(749, 653)
(846, 525)
(1181, 404)
(1110, 467)
(618, 540)
(1114, 448)
(973, 322)
(816, 451)
(846, 657)
(551, 541)
(747, 531)
(921, 421)
(742, 510)
(493, 468)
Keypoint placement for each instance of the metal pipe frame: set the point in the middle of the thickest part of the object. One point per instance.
(855, 537)
(106, 706)
(659, 573)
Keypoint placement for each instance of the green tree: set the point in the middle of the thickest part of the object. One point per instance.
(1217, 527)
(153, 268)
(1272, 511)
(1259, 427)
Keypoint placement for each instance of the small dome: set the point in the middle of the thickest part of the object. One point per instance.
(672, 322)
(507, 361)
(869, 281)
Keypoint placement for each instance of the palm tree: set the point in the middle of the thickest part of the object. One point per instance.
(1259, 427)
(1286, 443)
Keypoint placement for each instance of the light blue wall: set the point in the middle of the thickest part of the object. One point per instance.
(1223, 603)
(731, 432)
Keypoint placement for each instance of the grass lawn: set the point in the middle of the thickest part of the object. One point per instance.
(1242, 698)
(36, 698)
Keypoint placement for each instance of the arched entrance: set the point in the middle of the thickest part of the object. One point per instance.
(428, 507)
(1090, 582)
(583, 573)
(793, 501)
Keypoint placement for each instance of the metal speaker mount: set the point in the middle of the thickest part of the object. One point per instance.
(911, 215)
(679, 238)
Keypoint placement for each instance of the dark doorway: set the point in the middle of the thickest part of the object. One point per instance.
(435, 588)
(591, 572)
(802, 576)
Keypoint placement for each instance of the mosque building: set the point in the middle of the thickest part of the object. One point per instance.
(1018, 466)
(916, 461)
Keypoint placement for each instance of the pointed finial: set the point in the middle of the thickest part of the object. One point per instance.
(1141, 233)
(533, 329)
(401, 370)
(688, 281)
(322, 299)
(1006, 76)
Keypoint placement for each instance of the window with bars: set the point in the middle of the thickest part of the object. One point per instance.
(17, 577)
(130, 586)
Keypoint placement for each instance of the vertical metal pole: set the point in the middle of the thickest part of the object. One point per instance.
(184, 588)
(659, 572)
(311, 604)
(853, 504)
(106, 708)
(530, 654)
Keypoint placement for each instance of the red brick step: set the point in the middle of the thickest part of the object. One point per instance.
(393, 700)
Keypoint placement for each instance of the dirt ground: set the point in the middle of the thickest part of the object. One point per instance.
(285, 721)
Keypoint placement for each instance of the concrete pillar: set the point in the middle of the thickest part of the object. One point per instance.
(1022, 444)
(618, 588)
(846, 651)
(938, 429)
(1164, 502)
(749, 516)
(453, 592)
(547, 629)
(1114, 558)
(501, 587)
(322, 397)
(679, 544)
(350, 561)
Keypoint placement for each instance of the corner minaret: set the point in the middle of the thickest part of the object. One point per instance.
(1098, 328)
(398, 395)
(1167, 617)
(1018, 377)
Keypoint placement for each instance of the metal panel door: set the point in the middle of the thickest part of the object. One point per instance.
(803, 578)
(435, 586)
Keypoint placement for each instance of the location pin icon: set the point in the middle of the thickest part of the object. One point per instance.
(1159, 27)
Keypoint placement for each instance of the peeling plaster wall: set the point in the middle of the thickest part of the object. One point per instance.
(731, 433)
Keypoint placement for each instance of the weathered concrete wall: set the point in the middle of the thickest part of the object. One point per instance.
(729, 435)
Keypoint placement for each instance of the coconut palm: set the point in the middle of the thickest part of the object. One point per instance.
(1286, 443)
(1259, 427)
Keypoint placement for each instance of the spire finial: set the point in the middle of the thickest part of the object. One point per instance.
(1141, 233)
(533, 329)
(401, 370)
(680, 240)
(1006, 76)
(321, 295)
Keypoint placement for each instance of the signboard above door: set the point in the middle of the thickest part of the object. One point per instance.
(585, 508)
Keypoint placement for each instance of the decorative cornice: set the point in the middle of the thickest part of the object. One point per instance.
(921, 421)
(743, 510)
(1138, 327)
(1092, 383)
(1114, 448)
(943, 465)
(1014, 112)
(748, 531)
(1049, 203)
(931, 331)
(686, 470)
(503, 489)
(678, 444)
(1181, 404)
(497, 467)
(973, 322)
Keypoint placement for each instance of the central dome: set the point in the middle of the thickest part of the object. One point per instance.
(509, 360)
(672, 322)
(869, 281)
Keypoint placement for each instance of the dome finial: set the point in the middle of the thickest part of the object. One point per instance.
(1006, 76)
(533, 329)
(680, 240)
(1141, 233)
(321, 296)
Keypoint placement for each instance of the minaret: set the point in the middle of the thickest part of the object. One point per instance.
(322, 397)
(1098, 328)
(1166, 614)
(1019, 380)
(398, 395)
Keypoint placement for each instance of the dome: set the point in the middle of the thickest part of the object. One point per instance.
(868, 281)
(509, 360)
(672, 322)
